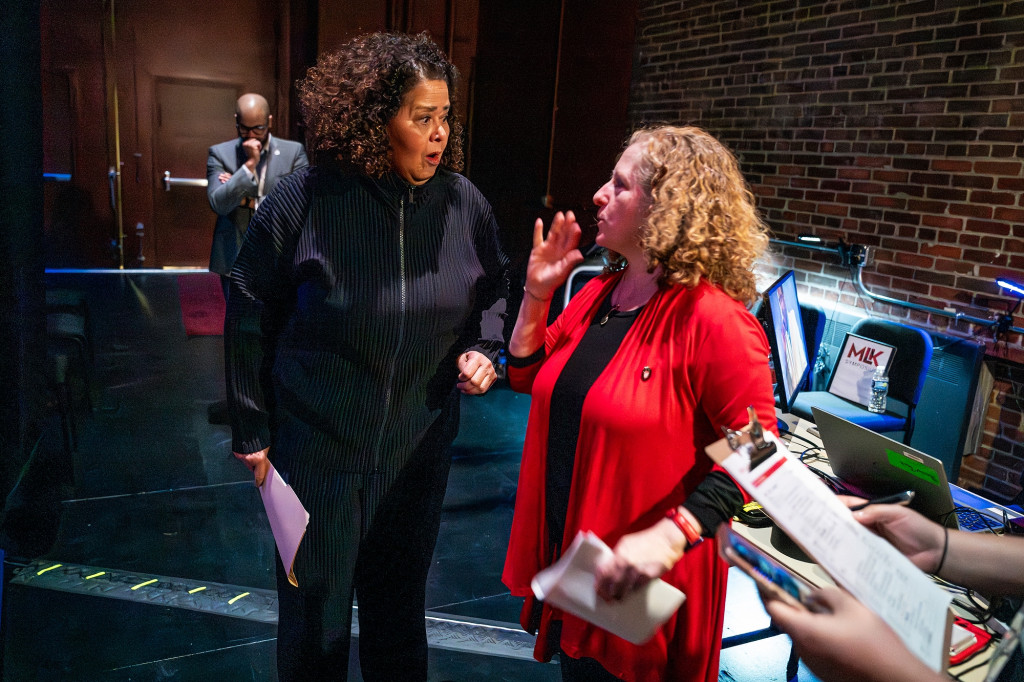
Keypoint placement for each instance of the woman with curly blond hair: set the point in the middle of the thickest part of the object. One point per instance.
(629, 384)
(367, 295)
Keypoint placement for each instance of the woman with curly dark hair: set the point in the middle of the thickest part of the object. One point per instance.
(369, 292)
(630, 383)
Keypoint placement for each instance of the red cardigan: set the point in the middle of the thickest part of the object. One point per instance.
(641, 452)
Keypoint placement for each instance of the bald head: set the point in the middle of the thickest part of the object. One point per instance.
(251, 103)
(252, 116)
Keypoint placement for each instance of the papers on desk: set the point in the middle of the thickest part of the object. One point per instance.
(288, 519)
(568, 584)
(867, 566)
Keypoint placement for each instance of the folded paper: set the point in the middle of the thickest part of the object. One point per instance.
(568, 584)
(288, 519)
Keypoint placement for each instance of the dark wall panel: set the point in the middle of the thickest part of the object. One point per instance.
(513, 91)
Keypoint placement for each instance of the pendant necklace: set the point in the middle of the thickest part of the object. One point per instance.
(604, 320)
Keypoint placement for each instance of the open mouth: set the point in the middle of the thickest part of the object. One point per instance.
(434, 158)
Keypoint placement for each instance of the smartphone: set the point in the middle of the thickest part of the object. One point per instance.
(966, 639)
(771, 576)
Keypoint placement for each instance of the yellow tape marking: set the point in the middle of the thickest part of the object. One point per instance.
(50, 568)
(198, 589)
(148, 582)
(95, 575)
(244, 594)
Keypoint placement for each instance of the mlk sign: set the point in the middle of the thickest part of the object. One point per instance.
(851, 377)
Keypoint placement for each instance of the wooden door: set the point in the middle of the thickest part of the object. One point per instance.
(148, 90)
(77, 214)
(189, 117)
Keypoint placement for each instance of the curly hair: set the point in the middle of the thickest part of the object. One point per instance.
(702, 221)
(349, 96)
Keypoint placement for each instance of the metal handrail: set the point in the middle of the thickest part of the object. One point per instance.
(183, 182)
(1001, 323)
(858, 282)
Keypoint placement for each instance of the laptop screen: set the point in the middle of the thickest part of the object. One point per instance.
(872, 465)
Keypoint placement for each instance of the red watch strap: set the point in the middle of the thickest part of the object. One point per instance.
(693, 537)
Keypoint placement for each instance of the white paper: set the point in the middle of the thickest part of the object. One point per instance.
(568, 584)
(867, 566)
(288, 518)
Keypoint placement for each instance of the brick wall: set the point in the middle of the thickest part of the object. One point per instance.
(894, 124)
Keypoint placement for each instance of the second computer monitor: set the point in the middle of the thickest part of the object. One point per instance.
(785, 329)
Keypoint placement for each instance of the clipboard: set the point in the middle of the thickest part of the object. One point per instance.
(862, 563)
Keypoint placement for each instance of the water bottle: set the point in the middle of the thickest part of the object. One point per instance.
(879, 389)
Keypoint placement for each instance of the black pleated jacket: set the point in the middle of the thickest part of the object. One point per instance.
(351, 299)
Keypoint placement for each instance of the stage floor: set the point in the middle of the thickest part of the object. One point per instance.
(146, 555)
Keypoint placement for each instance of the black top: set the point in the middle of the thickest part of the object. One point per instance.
(716, 499)
(351, 300)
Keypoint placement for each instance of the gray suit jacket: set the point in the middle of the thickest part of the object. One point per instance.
(282, 157)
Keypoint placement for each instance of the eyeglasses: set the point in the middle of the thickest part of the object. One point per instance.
(247, 129)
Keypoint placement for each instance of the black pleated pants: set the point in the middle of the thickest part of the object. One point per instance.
(375, 537)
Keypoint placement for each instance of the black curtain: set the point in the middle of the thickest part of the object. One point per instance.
(22, 297)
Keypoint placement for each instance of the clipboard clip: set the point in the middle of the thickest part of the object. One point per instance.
(758, 449)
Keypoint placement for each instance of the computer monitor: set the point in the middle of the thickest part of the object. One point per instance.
(785, 330)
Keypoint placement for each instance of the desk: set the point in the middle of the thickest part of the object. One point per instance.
(813, 573)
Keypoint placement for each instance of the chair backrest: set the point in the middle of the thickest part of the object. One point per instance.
(579, 276)
(813, 318)
(913, 356)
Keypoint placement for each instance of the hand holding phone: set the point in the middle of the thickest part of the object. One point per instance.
(774, 580)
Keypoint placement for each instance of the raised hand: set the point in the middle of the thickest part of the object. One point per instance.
(252, 149)
(552, 258)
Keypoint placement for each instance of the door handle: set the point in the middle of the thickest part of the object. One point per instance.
(182, 182)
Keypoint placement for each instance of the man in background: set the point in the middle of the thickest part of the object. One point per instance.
(239, 173)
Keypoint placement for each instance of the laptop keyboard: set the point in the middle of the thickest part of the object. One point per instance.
(974, 521)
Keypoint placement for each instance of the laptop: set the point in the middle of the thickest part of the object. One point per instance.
(872, 465)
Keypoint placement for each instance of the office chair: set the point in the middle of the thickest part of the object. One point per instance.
(579, 276)
(909, 369)
(69, 355)
(813, 318)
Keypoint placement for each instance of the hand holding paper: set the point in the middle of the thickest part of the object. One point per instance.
(846, 638)
(568, 584)
(257, 462)
(638, 558)
(288, 518)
